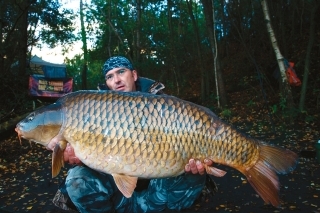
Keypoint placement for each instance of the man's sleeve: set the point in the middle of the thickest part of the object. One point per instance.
(156, 88)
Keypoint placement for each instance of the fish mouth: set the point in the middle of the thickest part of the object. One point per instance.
(20, 136)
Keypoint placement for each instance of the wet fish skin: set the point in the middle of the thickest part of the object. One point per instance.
(132, 135)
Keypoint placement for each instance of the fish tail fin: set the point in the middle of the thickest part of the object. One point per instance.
(57, 157)
(263, 175)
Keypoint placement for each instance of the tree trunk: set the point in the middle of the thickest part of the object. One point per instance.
(199, 61)
(110, 29)
(308, 54)
(224, 30)
(209, 29)
(84, 48)
(2, 52)
(282, 25)
(119, 38)
(208, 8)
(173, 52)
(286, 90)
(138, 33)
(23, 34)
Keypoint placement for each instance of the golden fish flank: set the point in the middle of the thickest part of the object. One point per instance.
(132, 135)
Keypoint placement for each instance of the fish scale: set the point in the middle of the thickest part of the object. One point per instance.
(131, 135)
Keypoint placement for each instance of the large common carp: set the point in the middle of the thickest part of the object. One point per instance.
(131, 135)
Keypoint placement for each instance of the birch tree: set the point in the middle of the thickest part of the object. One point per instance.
(285, 88)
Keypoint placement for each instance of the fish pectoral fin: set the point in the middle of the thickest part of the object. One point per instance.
(57, 157)
(214, 171)
(126, 184)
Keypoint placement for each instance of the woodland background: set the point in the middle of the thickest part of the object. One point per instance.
(215, 53)
(204, 51)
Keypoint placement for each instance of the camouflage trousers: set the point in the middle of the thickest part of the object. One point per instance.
(91, 191)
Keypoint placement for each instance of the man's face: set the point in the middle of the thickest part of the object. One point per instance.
(121, 79)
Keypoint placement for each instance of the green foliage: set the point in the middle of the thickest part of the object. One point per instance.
(251, 103)
(226, 113)
(95, 73)
(283, 103)
(244, 81)
(274, 109)
(25, 24)
(74, 71)
(307, 116)
(50, 24)
(74, 68)
(280, 107)
(161, 42)
(310, 118)
(14, 95)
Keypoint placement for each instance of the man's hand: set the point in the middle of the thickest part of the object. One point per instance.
(70, 157)
(196, 167)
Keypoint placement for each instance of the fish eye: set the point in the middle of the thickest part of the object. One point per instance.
(30, 117)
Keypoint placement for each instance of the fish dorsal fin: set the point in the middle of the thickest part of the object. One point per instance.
(126, 184)
(57, 157)
(215, 171)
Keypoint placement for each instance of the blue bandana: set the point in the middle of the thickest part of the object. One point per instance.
(116, 62)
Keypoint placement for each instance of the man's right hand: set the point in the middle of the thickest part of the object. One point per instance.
(70, 157)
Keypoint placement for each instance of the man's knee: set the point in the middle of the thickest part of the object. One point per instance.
(175, 193)
(89, 190)
(79, 172)
(187, 189)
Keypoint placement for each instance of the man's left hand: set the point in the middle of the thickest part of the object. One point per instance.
(197, 167)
